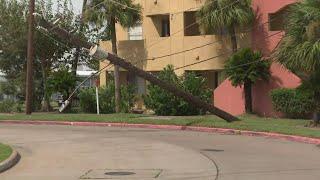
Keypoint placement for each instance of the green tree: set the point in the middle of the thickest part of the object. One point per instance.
(164, 103)
(62, 81)
(299, 50)
(105, 12)
(48, 49)
(244, 68)
(51, 52)
(218, 15)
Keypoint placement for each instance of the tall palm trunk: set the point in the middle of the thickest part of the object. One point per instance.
(116, 67)
(248, 96)
(316, 115)
(233, 37)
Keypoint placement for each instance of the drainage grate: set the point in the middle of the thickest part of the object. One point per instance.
(122, 174)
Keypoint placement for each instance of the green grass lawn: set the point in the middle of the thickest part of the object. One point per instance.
(249, 122)
(5, 152)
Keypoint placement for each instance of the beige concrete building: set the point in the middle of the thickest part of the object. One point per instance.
(169, 27)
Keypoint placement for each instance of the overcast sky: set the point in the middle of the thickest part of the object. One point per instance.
(77, 5)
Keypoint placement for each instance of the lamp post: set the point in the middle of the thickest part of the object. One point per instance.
(30, 57)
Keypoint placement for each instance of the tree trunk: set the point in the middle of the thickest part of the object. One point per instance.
(248, 96)
(233, 37)
(46, 107)
(316, 115)
(78, 48)
(116, 67)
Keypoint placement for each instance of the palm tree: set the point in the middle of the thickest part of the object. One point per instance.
(244, 68)
(299, 50)
(109, 12)
(217, 15)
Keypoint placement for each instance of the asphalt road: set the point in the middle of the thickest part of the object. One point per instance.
(70, 153)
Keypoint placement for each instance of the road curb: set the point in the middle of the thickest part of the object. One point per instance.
(10, 162)
(174, 127)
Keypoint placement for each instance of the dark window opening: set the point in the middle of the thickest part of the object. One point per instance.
(162, 24)
(191, 26)
(165, 27)
(277, 20)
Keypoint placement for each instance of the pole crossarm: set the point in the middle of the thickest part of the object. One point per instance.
(100, 54)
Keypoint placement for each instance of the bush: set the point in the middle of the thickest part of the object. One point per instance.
(106, 99)
(294, 103)
(164, 103)
(7, 106)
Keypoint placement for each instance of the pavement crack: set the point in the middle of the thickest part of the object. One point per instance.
(214, 162)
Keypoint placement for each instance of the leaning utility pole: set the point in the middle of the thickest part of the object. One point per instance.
(30, 56)
(100, 54)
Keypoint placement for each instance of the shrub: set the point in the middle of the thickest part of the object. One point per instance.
(106, 99)
(164, 103)
(88, 100)
(7, 106)
(293, 102)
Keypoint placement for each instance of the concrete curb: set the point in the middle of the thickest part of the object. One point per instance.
(173, 127)
(10, 162)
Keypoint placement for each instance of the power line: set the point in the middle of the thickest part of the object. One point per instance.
(226, 53)
(198, 47)
(193, 24)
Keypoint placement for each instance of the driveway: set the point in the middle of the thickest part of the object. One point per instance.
(70, 153)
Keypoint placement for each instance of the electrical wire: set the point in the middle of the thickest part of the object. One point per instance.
(198, 47)
(226, 53)
(173, 34)
(192, 24)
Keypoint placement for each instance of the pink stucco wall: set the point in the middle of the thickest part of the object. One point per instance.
(231, 99)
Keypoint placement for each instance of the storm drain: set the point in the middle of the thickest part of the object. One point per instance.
(122, 174)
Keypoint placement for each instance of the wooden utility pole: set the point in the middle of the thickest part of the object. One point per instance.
(99, 54)
(30, 57)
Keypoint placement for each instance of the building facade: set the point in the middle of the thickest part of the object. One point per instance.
(169, 34)
(169, 27)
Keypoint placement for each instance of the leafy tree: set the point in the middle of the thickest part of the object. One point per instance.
(62, 81)
(164, 103)
(88, 99)
(216, 15)
(299, 50)
(244, 68)
(158, 99)
(105, 12)
(49, 50)
(13, 43)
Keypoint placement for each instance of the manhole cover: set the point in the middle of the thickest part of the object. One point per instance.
(121, 173)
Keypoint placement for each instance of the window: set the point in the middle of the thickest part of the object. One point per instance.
(190, 24)
(135, 33)
(276, 22)
(165, 27)
(162, 24)
(277, 19)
